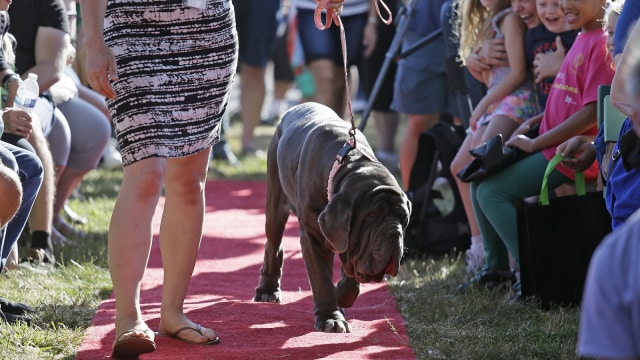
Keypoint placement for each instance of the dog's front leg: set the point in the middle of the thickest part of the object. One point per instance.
(319, 262)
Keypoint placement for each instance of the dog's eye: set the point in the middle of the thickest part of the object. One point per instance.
(373, 215)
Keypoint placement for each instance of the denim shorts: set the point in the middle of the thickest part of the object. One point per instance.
(256, 24)
(325, 44)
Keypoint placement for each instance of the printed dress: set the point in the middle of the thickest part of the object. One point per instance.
(175, 66)
(521, 104)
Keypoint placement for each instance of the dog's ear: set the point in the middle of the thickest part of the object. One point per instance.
(334, 222)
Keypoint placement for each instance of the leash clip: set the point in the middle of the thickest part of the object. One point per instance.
(342, 153)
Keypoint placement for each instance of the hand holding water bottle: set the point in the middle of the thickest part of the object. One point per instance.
(17, 119)
(28, 93)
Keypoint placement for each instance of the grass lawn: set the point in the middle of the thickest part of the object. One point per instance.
(476, 325)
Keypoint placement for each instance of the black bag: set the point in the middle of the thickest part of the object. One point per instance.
(438, 224)
(556, 239)
(493, 156)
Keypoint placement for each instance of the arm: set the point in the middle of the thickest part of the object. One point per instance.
(101, 63)
(51, 53)
(491, 52)
(514, 29)
(581, 121)
(370, 36)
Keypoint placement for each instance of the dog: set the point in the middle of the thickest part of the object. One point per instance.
(347, 203)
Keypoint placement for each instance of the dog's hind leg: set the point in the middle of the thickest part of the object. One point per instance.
(276, 214)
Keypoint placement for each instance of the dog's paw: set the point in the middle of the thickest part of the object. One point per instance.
(335, 324)
(267, 296)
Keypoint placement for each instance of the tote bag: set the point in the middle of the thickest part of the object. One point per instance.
(556, 238)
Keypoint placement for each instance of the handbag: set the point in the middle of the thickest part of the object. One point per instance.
(492, 156)
(556, 238)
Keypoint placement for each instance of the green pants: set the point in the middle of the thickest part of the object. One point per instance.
(495, 200)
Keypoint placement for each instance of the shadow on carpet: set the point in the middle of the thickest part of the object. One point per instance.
(222, 288)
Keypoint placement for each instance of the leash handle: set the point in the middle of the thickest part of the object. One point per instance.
(389, 18)
(333, 14)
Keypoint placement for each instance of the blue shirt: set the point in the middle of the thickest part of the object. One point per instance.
(622, 195)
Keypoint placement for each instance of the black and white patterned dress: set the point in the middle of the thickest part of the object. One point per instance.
(175, 68)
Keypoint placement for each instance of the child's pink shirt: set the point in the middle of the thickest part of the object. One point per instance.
(584, 69)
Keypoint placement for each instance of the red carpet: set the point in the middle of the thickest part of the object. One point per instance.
(222, 289)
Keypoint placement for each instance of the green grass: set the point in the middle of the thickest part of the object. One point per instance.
(476, 325)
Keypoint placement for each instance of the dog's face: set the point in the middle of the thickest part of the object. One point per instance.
(366, 227)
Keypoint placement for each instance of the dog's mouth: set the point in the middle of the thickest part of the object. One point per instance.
(359, 272)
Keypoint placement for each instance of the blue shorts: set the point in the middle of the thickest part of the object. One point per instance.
(256, 24)
(325, 44)
(421, 92)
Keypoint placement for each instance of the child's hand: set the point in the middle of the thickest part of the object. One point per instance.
(493, 52)
(547, 65)
(521, 142)
(476, 115)
(578, 151)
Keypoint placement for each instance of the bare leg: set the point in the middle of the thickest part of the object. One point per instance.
(42, 211)
(69, 179)
(252, 93)
(417, 124)
(460, 161)
(180, 235)
(386, 127)
(130, 240)
(328, 79)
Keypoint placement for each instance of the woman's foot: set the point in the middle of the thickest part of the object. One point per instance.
(133, 342)
(189, 332)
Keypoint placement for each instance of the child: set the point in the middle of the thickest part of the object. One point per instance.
(570, 111)
(546, 45)
(613, 12)
(509, 100)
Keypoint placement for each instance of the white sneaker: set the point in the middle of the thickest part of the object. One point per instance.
(111, 157)
(475, 258)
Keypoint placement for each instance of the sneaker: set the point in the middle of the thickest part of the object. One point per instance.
(516, 292)
(39, 256)
(111, 158)
(474, 257)
(489, 279)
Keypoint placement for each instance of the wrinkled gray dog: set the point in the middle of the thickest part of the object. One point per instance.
(355, 209)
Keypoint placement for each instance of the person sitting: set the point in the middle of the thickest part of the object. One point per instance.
(570, 111)
(21, 175)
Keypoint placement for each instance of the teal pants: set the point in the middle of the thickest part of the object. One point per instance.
(495, 200)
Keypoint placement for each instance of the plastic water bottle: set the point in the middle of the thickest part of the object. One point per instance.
(28, 93)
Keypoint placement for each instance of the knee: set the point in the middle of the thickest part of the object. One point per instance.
(10, 193)
(189, 190)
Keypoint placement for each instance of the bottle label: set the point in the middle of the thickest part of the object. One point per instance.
(25, 103)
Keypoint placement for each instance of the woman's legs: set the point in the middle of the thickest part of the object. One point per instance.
(180, 235)
(328, 79)
(130, 240)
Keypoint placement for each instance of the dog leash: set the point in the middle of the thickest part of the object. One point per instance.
(333, 16)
